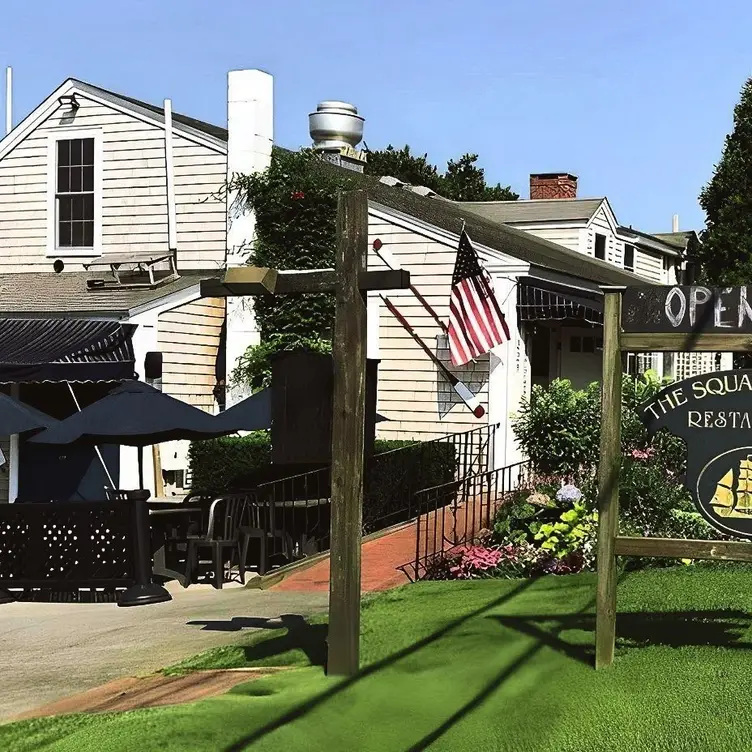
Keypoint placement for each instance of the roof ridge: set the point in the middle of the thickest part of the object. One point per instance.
(201, 125)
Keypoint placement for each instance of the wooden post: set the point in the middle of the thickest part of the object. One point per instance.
(608, 481)
(348, 418)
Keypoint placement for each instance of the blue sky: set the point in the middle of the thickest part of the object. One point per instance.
(633, 96)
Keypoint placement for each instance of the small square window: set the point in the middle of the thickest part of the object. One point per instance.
(588, 344)
(575, 344)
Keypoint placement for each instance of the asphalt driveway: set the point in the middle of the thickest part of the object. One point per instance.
(51, 650)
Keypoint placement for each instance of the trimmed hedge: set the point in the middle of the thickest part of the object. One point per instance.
(217, 465)
(233, 462)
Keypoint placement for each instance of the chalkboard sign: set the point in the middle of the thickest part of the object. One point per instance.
(713, 414)
(712, 310)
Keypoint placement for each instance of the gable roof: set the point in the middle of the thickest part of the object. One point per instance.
(199, 125)
(677, 239)
(196, 130)
(50, 294)
(449, 216)
(537, 210)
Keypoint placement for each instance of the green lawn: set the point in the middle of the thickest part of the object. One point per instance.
(487, 665)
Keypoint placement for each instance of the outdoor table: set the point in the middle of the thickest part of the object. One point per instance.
(160, 559)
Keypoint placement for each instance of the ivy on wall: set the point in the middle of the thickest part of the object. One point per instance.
(296, 218)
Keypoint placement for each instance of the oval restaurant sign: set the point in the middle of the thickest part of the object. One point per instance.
(713, 414)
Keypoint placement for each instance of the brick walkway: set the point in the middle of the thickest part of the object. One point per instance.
(382, 557)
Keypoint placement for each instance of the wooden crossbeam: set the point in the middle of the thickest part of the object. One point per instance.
(674, 548)
(693, 342)
(251, 280)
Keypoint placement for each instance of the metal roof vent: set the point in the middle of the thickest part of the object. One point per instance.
(335, 125)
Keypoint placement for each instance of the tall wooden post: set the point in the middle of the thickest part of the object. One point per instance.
(608, 480)
(348, 418)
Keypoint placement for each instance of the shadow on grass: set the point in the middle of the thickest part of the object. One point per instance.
(300, 635)
(306, 707)
(637, 629)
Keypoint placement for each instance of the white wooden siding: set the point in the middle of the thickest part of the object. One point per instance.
(189, 341)
(569, 237)
(134, 193)
(649, 264)
(418, 401)
(600, 224)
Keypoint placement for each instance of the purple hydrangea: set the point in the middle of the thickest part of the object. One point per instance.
(568, 493)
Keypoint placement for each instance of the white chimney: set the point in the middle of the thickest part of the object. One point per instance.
(675, 223)
(250, 134)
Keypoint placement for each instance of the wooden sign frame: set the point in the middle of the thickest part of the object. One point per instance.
(610, 543)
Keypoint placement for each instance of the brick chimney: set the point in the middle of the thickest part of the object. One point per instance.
(553, 185)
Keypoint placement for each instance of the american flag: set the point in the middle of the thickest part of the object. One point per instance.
(476, 323)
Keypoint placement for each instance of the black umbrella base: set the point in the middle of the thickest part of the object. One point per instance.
(6, 597)
(144, 595)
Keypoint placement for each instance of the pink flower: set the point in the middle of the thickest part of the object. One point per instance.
(296, 195)
(643, 454)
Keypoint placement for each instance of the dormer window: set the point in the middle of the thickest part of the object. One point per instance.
(74, 194)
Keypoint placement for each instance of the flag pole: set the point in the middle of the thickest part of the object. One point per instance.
(391, 262)
(468, 398)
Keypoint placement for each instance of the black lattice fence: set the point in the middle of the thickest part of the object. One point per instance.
(67, 545)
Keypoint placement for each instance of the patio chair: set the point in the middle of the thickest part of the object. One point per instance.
(260, 529)
(223, 532)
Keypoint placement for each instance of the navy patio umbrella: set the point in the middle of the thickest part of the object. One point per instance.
(134, 414)
(254, 413)
(17, 417)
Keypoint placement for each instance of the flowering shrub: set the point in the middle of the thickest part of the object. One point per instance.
(572, 538)
(568, 494)
(474, 562)
(642, 454)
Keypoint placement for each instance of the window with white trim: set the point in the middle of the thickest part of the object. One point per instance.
(74, 193)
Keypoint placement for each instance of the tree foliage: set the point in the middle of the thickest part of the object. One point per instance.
(726, 252)
(296, 212)
(463, 179)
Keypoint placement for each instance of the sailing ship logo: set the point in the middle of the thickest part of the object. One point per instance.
(733, 493)
(724, 491)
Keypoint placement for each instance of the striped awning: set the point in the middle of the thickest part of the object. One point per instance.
(56, 350)
(536, 303)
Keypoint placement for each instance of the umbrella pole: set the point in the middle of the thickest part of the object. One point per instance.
(96, 448)
(141, 467)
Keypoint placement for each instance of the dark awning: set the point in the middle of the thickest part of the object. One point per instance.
(34, 350)
(538, 303)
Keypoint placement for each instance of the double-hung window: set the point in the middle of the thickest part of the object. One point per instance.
(74, 181)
